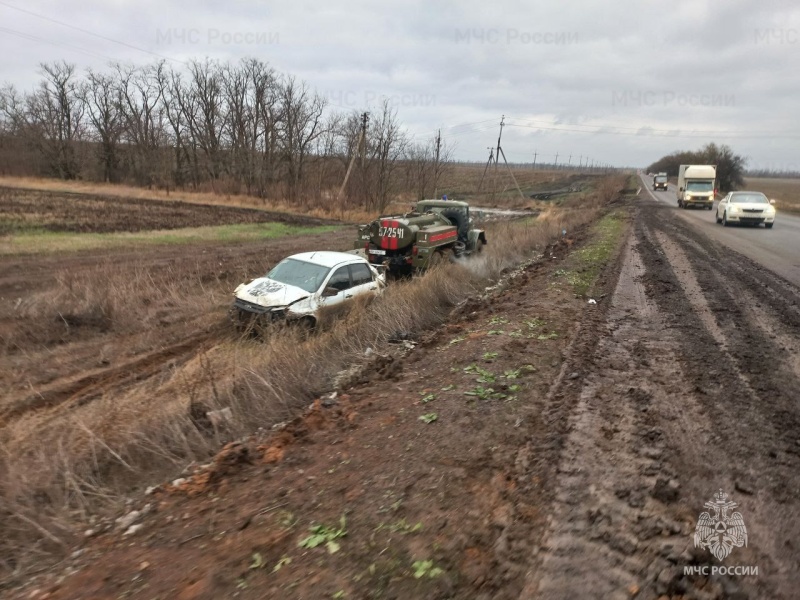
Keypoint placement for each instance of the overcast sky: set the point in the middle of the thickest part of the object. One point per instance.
(621, 82)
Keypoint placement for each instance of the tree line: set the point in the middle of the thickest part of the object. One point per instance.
(228, 127)
(730, 166)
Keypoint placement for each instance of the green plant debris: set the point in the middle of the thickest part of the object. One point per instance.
(489, 355)
(457, 340)
(428, 417)
(535, 323)
(498, 321)
(257, 561)
(285, 560)
(322, 534)
(484, 393)
(426, 568)
(448, 387)
(495, 332)
(401, 526)
(428, 398)
(547, 336)
(485, 376)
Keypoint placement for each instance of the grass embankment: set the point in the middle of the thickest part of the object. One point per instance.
(587, 263)
(58, 467)
(42, 242)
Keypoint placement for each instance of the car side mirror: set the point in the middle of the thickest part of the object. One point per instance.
(772, 201)
(681, 189)
(329, 292)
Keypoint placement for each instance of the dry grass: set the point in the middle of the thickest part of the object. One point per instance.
(57, 468)
(785, 192)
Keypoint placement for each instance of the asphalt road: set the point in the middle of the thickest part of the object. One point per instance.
(777, 249)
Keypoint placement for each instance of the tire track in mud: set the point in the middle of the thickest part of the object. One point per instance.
(680, 400)
(87, 387)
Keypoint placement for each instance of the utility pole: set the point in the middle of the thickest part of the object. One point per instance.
(555, 165)
(488, 162)
(361, 149)
(534, 159)
(569, 161)
(521, 195)
(497, 156)
(364, 119)
(436, 164)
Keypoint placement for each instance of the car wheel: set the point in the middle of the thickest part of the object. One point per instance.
(725, 219)
(769, 225)
(716, 217)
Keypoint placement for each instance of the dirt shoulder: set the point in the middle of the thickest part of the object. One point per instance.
(427, 463)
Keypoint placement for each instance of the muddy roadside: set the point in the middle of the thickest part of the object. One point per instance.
(536, 446)
(417, 480)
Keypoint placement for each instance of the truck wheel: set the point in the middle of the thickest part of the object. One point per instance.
(438, 258)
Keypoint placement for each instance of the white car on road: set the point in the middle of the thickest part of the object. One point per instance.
(746, 208)
(300, 285)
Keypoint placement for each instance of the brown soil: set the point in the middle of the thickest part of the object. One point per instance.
(586, 481)
(73, 357)
(89, 213)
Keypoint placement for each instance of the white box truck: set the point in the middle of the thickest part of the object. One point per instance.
(697, 185)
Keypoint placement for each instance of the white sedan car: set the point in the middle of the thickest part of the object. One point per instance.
(300, 285)
(746, 208)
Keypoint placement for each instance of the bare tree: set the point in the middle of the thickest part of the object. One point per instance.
(206, 124)
(97, 93)
(138, 96)
(386, 143)
(54, 116)
(301, 125)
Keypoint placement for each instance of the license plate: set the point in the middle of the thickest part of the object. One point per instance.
(379, 252)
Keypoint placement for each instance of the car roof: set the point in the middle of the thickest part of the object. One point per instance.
(327, 258)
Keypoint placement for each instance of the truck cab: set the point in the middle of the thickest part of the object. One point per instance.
(660, 182)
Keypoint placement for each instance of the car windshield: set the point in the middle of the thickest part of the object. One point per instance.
(749, 199)
(661, 178)
(305, 275)
(699, 186)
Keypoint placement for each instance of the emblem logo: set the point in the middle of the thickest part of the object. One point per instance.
(723, 531)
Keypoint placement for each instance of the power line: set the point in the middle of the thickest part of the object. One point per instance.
(34, 38)
(651, 132)
(92, 33)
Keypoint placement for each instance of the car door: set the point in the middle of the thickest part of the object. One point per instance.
(363, 280)
(338, 280)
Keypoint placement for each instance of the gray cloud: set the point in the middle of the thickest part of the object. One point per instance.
(623, 83)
